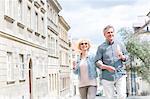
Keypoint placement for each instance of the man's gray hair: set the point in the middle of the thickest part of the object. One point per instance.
(107, 27)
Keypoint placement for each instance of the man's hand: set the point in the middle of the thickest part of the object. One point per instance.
(120, 54)
(110, 69)
(122, 57)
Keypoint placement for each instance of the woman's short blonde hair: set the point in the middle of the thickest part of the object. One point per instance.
(83, 40)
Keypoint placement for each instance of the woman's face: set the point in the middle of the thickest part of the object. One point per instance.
(84, 46)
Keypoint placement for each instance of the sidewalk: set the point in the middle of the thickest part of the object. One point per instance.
(138, 97)
(75, 97)
(102, 97)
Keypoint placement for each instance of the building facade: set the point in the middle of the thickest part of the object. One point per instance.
(64, 58)
(23, 52)
(53, 8)
(29, 49)
(74, 78)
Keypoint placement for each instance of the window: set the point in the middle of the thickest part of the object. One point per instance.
(10, 67)
(60, 57)
(38, 67)
(49, 43)
(49, 12)
(56, 18)
(55, 80)
(9, 7)
(56, 48)
(21, 67)
(63, 83)
(36, 22)
(20, 9)
(50, 82)
(52, 46)
(29, 17)
(67, 59)
(43, 67)
(53, 15)
(42, 25)
(64, 58)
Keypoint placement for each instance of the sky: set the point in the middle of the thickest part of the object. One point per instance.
(87, 18)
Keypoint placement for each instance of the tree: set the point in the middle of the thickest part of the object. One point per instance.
(139, 49)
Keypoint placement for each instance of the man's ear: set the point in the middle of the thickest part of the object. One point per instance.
(104, 33)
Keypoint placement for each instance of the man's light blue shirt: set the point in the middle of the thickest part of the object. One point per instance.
(107, 54)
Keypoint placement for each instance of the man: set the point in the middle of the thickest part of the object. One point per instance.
(109, 58)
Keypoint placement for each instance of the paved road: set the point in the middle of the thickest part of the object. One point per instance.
(131, 97)
(139, 97)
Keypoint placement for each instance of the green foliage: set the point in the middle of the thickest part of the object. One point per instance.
(139, 49)
(125, 33)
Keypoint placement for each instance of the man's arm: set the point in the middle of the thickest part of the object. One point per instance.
(98, 60)
(103, 66)
(124, 57)
(98, 56)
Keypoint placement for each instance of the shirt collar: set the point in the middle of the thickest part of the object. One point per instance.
(109, 42)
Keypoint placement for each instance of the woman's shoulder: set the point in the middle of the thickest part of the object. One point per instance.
(91, 55)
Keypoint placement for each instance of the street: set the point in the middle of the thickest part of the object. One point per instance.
(130, 97)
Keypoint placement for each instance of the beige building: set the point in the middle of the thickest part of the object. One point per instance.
(23, 52)
(29, 49)
(64, 58)
(53, 8)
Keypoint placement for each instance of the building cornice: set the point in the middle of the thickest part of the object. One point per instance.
(51, 29)
(138, 31)
(14, 38)
(64, 23)
(148, 14)
(62, 46)
(55, 4)
(63, 40)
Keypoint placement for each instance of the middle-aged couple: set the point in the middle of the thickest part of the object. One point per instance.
(109, 59)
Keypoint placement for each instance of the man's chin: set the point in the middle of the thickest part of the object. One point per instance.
(110, 40)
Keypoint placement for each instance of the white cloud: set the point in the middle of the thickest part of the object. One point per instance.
(87, 18)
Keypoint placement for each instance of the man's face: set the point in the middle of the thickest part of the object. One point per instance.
(109, 34)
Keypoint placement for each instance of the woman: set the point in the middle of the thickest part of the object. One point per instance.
(85, 68)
